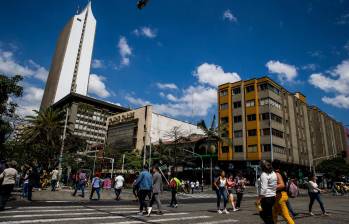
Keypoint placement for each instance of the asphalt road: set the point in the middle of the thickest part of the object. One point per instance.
(197, 208)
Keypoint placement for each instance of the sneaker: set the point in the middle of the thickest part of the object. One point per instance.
(325, 214)
(219, 211)
(236, 209)
(311, 214)
(175, 206)
(225, 211)
(149, 210)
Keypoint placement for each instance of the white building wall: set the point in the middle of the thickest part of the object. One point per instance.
(71, 53)
(161, 125)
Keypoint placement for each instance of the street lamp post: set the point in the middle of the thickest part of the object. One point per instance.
(62, 146)
(202, 164)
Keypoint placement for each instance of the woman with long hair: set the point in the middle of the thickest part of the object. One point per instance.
(230, 187)
(221, 191)
(266, 192)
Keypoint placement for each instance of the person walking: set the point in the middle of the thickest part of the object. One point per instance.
(240, 183)
(175, 183)
(192, 186)
(7, 180)
(230, 188)
(96, 186)
(119, 183)
(293, 192)
(54, 179)
(266, 192)
(221, 191)
(314, 194)
(144, 183)
(157, 189)
(25, 183)
(280, 207)
(81, 183)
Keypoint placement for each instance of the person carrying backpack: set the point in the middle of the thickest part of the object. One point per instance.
(96, 186)
(174, 185)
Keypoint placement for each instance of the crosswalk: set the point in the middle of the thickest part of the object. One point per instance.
(207, 195)
(108, 214)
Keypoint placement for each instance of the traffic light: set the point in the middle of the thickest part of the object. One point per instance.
(141, 3)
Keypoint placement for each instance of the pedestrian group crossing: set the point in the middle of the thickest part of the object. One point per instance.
(101, 214)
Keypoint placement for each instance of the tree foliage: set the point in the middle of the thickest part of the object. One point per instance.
(334, 167)
(9, 87)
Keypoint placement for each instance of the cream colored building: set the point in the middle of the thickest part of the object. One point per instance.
(136, 128)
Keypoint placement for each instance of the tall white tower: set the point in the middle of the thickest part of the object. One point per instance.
(70, 68)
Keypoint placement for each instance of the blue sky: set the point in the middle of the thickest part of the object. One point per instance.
(173, 53)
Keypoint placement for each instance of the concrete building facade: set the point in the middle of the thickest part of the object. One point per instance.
(262, 120)
(135, 129)
(87, 117)
(70, 67)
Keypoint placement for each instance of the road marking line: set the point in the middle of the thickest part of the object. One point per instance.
(164, 214)
(179, 219)
(49, 210)
(60, 220)
(71, 206)
(52, 214)
(218, 222)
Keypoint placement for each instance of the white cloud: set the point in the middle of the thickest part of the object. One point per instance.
(166, 85)
(228, 15)
(97, 63)
(30, 100)
(310, 67)
(337, 82)
(125, 51)
(96, 86)
(146, 32)
(214, 75)
(343, 20)
(285, 72)
(340, 101)
(196, 100)
(9, 66)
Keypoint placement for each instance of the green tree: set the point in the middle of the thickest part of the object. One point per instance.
(9, 87)
(44, 129)
(334, 167)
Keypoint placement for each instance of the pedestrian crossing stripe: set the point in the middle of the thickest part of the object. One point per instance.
(60, 220)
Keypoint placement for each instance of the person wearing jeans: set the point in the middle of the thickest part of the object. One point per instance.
(144, 183)
(314, 194)
(221, 191)
(266, 192)
(96, 186)
(81, 183)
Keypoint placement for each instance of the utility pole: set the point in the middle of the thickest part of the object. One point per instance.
(62, 146)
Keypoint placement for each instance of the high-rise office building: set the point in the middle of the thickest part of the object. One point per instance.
(262, 120)
(70, 68)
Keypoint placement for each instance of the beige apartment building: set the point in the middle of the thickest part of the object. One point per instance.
(259, 119)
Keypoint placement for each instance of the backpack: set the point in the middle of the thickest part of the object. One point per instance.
(293, 190)
(173, 184)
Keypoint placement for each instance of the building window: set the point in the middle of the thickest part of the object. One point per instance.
(237, 119)
(249, 89)
(237, 91)
(224, 106)
(250, 103)
(266, 148)
(238, 134)
(238, 148)
(274, 117)
(277, 133)
(237, 104)
(267, 86)
(225, 149)
(252, 132)
(266, 131)
(279, 149)
(251, 117)
(267, 101)
(224, 120)
(252, 148)
(223, 92)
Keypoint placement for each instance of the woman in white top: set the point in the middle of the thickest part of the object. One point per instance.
(314, 194)
(7, 180)
(266, 192)
(221, 191)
